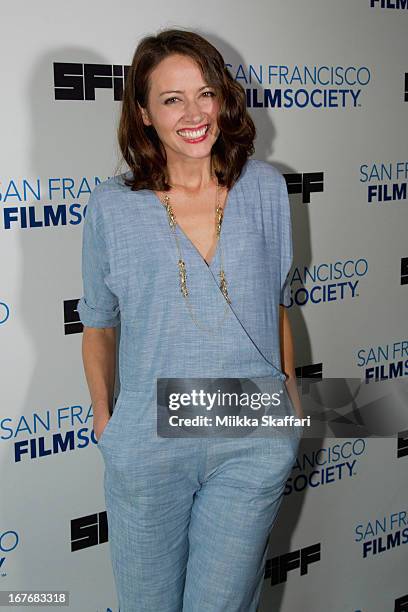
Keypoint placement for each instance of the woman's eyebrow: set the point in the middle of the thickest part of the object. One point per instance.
(179, 90)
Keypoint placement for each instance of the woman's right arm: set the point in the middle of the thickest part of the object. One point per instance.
(99, 313)
(99, 359)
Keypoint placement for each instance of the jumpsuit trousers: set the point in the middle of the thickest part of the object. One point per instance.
(189, 518)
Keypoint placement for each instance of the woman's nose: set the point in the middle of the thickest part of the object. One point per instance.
(192, 111)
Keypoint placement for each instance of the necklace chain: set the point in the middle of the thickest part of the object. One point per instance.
(219, 214)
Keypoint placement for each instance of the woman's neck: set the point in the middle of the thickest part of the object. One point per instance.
(192, 175)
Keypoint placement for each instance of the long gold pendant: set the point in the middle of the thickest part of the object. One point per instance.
(223, 281)
(181, 263)
(183, 277)
(223, 285)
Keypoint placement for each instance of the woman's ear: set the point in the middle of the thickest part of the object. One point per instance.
(145, 115)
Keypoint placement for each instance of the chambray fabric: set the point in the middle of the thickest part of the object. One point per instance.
(188, 519)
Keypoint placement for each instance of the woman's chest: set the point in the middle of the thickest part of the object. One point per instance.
(198, 219)
(145, 253)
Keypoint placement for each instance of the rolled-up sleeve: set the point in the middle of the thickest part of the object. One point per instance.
(98, 306)
(286, 244)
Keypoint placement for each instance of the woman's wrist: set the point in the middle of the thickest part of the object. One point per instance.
(101, 409)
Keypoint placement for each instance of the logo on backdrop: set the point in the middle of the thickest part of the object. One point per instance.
(305, 184)
(9, 541)
(327, 281)
(277, 568)
(404, 271)
(402, 444)
(73, 81)
(382, 534)
(325, 465)
(301, 86)
(310, 370)
(383, 362)
(389, 4)
(386, 182)
(61, 430)
(266, 86)
(72, 322)
(38, 203)
(4, 312)
(401, 604)
(89, 530)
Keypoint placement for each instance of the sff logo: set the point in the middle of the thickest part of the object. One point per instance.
(89, 531)
(401, 604)
(402, 444)
(306, 184)
(277, 568)
(74, 81)
(72, 322)
(404, 271)
(311, 370)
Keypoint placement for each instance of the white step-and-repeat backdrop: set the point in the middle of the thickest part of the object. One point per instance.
(327, 86)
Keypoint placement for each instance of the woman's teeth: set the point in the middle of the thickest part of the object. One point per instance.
(193, 133)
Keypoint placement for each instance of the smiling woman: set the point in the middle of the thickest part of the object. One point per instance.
(199, 295)
(187, 118)
(169, 86)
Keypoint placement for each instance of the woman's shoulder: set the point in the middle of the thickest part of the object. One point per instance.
(264, 172)
(113, 194)
(114, 185)
(270, 185)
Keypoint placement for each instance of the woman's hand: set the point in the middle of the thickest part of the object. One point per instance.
(99, 356)
(291, 386)
(288, 360)
(100, 421)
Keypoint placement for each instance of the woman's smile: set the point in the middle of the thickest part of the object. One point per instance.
(194, 135)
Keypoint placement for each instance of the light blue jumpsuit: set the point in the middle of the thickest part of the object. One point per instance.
(189, 518)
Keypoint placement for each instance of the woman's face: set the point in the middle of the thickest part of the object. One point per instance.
(182, 108)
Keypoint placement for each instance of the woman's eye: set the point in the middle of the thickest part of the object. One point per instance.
(207, 94)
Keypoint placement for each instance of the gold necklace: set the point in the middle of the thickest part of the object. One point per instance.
(219, 214)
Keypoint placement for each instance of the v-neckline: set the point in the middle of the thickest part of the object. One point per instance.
(227, 205)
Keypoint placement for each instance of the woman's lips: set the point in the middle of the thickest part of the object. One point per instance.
(196, 135)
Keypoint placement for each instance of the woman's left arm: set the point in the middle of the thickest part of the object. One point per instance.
(288, 358)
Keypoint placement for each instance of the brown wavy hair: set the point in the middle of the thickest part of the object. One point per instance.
(140, 145)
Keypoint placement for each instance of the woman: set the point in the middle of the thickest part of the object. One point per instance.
(189, 518)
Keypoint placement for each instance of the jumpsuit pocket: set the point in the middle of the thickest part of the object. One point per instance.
(282, 444)
(131, 427)
(110, 423)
